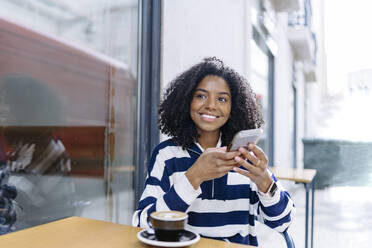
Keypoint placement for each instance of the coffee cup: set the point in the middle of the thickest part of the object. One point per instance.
(168, 225)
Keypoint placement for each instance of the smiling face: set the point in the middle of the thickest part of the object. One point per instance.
(211, 105)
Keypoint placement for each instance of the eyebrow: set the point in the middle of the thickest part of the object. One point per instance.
(220, 93)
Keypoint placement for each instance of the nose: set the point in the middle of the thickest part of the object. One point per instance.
(211, 103)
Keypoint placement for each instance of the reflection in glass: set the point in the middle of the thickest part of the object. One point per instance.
(37, 161)
(68, 109)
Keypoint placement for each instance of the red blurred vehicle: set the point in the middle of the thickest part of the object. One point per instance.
(97, 96)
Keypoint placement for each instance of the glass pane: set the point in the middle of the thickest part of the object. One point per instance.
(68, 93)
(260, 85)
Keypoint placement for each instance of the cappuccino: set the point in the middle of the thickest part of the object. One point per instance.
(168, 224)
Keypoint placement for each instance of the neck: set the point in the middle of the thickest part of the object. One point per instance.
(208, 140)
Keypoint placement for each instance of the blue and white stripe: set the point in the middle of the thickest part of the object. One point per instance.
(223, 208)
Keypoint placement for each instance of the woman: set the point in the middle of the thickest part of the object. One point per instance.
(192, 172)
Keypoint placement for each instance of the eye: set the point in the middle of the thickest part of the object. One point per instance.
(222, 99)
(200, 96)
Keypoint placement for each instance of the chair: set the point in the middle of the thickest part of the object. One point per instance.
(306, 177)
(288, 239)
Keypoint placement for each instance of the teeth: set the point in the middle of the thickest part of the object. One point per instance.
(208, 116)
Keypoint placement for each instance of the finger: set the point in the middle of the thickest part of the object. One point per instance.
(248, 155)
(243, 172)
(259, 153)
(217, 149)
(221, 154)
(231, 155)
(223, 162)
(253, 169)
(230, 162)
(223, 170)
(223, 149)
(226, 169)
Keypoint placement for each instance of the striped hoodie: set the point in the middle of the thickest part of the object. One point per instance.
(225, 208)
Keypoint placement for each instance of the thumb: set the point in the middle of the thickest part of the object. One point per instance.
(222, 149)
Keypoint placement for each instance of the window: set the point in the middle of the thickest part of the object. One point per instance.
(68, 79)
(262, 72)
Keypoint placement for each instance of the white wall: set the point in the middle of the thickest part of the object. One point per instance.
(194, 29)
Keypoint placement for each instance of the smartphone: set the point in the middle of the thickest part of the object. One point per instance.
(243, 138)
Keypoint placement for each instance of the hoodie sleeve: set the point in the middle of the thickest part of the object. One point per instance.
(165, 189)
(276, 211)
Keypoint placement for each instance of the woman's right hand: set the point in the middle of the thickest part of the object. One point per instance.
(212, 163)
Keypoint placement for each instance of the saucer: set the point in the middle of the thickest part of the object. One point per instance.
(186, 238)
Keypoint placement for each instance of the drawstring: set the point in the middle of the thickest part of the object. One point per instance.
(198, 153)
(191, 150)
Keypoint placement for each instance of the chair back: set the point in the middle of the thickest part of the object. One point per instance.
(288, 239)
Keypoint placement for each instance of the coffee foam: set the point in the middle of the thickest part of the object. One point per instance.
(169, 215)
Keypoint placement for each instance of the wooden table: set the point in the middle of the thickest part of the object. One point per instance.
(306, 177)
(77, 232)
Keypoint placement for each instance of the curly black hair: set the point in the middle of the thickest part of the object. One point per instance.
(174, 110)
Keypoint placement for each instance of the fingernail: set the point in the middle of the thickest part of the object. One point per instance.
(237, 159)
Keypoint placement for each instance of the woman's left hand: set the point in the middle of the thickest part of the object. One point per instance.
(257, 169)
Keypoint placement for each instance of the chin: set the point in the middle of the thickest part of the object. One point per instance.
(210, 129)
